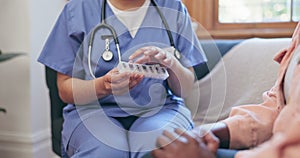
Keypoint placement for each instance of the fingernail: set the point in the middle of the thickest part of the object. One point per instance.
(146, 52)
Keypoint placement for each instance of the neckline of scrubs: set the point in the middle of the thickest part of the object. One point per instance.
(121, 27)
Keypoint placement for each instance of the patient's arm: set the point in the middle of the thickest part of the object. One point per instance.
(251, 125)
(286, 139)
(220, 130)
(248, 125)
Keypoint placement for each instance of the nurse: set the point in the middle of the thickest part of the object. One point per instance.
(113, 114)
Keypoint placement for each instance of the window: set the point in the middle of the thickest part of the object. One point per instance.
(246, 18)
(258, 11)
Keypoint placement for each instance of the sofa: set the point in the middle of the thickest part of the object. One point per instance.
(237, 72)
(240, 77)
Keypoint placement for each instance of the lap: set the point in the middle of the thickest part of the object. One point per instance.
(145, 130)
(83, 144)
(164, 119)
(97, 133)
(94, 135)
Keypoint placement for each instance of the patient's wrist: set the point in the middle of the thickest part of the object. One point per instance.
(219, 129)
(222, 132)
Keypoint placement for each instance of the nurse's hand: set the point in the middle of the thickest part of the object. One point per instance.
(154, 55)
(181, 79)
(117, 83)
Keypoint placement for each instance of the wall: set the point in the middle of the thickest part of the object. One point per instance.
(14, 32)
(43, 14)
(25, 128)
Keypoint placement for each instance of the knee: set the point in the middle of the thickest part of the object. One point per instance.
(92, 149)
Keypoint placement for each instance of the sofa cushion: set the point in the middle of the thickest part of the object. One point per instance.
(214, 50)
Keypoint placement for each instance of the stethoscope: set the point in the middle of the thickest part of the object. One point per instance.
(107, 55)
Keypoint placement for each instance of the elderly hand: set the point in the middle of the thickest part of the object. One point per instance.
(172, 146)
(120, 83)
(154, 55)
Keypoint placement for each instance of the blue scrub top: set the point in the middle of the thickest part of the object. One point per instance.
(66, 51)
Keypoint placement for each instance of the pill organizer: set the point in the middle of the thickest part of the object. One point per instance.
(151, 71)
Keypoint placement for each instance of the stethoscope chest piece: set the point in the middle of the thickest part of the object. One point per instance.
(107, 55)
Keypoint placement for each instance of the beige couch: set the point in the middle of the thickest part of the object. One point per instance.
(243, 74)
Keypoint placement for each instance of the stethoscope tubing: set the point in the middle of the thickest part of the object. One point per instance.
(114, 34)
(91, 41)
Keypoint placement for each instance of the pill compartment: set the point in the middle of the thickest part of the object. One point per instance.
(151, 71)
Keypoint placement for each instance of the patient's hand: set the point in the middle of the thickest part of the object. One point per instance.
(187, 145)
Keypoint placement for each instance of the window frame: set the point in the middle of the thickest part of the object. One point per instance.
(205, 12)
